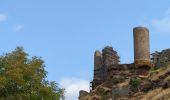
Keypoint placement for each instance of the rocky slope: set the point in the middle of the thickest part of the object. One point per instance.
(153, 86)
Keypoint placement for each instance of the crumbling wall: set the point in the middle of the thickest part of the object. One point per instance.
(110, 57)
(101, 64)
(119, 73)
(161, 58)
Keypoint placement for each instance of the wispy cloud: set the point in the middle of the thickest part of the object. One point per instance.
(73, 86)
(162, 24)
(3, 17)
(18, 27)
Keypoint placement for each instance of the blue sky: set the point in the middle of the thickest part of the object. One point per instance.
(65, 33)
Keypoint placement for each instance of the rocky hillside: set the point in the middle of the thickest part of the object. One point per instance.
(154, 86)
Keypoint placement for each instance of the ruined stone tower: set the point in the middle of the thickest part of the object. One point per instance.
(110, 57)
(97, 64)
(98, 70)
(161, 58)
(102, 61)
(141, 47)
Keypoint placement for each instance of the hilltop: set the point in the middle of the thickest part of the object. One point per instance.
(154, 86)
(143, 79)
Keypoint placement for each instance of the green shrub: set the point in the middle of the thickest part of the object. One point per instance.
(115, 80)
(134, 84)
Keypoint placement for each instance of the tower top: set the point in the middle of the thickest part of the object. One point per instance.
(97, 53)
(138, 28)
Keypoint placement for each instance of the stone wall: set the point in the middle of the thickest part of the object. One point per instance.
(101, 64)
(161, 58)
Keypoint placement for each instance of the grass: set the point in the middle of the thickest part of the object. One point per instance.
(158, 94)
(154, 75)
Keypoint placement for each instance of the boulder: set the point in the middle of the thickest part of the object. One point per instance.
(82, 94)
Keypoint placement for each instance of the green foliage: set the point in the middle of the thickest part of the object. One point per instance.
(134, 84)
(117, 80)
(23, 78)
(101, 92)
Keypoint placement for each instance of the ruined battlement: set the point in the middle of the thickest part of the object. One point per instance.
(102, 61)
(106, 64)
(114, 80)
(161, 58)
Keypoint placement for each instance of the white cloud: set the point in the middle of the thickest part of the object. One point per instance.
(162, 24)
(18, 27)
(73, 86)
(3, 17)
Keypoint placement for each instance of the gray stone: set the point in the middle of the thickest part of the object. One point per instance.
(120, 92)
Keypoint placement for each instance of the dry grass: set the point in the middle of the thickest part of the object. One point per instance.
(155, 75)
(158, 94)
(167, 79)
(125, 83)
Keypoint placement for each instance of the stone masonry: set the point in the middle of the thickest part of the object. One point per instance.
(106, 64)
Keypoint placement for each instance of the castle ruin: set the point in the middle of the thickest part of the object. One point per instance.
(141, 47)
(112, 80)
(107, 67)
(161, 58)
(102, 61)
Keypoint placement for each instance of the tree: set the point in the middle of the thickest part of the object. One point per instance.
(23, 78)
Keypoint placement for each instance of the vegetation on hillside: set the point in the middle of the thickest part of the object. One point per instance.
(154, 86)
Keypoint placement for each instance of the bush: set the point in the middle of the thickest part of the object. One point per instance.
(134, 84)
(117, 80)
